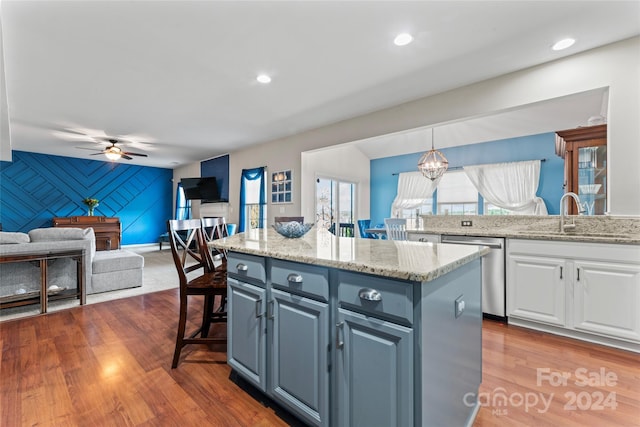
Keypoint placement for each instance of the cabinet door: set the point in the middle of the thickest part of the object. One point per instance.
(374, 372)
(246, 333)
(606, 298)
(536, 288)
(299, 368)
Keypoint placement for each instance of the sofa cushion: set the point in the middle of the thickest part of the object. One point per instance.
(53, 234)
(8, 237)
(116, 260)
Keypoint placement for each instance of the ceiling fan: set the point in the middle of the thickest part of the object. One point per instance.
(113, 152)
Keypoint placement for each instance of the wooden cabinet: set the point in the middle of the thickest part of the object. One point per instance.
(586, 167)
(107, 229)
(587, 291)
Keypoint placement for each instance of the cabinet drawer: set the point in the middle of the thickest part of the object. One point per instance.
(246, 267)
(301, 279)
(375, 296)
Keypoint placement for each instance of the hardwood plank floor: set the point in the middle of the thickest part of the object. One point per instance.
(108, 364)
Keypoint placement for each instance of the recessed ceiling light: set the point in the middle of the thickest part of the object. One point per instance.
(263, 78)
(403, 39)
(563, 44)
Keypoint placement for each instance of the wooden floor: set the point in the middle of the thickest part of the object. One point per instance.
(108, 364)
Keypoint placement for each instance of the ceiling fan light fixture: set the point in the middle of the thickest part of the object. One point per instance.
(433, 164)
(111, 155)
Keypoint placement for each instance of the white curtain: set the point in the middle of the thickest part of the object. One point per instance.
(413, 190)
(510, 186)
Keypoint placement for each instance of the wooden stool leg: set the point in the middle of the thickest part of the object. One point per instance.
(206, 315)
(181, 327)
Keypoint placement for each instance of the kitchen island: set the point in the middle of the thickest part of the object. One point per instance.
(357, 332)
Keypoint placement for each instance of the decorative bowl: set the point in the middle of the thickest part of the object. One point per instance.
(589, 188)
(292, 229)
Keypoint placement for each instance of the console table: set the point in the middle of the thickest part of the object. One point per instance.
(43, 296)
(108, 230)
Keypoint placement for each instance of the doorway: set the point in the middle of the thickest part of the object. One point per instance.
(335, 205)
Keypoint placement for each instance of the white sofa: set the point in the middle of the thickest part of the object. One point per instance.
(104, 270)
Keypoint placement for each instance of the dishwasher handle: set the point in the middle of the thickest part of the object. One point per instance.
(473, 242)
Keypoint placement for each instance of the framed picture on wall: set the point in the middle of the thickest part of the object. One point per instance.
(281, 187)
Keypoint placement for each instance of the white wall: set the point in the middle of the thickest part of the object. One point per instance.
(616, 66)
(5, 134)
(188, 171)
(345, 162)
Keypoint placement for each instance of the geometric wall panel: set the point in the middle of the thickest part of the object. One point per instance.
(34, 188)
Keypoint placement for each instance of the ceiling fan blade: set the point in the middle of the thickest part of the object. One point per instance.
(97, 154)
(90, 149)
(124, 156)
(134, 154)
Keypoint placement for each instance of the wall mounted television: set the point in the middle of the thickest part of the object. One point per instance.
(204, 189)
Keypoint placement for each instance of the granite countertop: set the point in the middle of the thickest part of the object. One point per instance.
(415, 261)
(588, 229)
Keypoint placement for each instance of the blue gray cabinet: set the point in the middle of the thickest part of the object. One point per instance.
(374, 361)
(299, 348)
(246, 344)
(349, 349)
(278, 332)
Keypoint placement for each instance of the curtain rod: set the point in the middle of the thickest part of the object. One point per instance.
(460, 167)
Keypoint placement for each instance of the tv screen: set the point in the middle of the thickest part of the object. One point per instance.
(205, 189)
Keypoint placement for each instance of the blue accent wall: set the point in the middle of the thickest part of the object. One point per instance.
(219, 168)
(384, 185)
(34, 188)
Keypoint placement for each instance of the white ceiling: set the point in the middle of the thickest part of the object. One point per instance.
(177, 78)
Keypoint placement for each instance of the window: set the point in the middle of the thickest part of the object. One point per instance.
(253, 206)
(183, 206)
(490, 209)
(456, 195)
(281, 187)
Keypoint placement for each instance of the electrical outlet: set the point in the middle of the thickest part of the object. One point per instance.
(467, 223)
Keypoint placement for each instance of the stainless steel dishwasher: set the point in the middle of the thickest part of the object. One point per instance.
(493, 275)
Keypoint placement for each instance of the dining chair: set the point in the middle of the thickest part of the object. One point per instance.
(299, 219)
(363, 224)
(396, 228)
(198, 276)
(214, 228)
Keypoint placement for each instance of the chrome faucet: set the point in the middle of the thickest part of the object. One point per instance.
(563, 212)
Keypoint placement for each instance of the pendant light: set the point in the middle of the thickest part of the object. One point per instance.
(433, 164)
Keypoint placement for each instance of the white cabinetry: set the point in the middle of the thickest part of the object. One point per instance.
(537, 288)
(589, 291)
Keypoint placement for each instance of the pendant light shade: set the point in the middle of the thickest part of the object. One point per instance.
(433, 164)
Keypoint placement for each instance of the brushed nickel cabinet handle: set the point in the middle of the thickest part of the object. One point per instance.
(259, 307)
(294, 278)
(270, 310)
(368, 294)
(561, 272)
(339, 343)
(242, 267)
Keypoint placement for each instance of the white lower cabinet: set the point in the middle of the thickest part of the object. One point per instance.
(590, 289)
(537, 288)
(606, 298)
